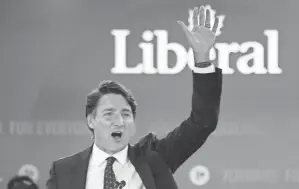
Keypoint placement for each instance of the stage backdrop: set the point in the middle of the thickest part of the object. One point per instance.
(53, 53)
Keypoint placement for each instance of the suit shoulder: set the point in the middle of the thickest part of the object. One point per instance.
(67, 160)
(70, 159)
(147, 142)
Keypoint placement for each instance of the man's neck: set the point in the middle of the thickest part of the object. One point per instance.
(110, 152)
(100, 155)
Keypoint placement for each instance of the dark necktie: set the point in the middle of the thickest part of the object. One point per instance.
(109, 176)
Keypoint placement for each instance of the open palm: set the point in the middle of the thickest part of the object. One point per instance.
(201, 38)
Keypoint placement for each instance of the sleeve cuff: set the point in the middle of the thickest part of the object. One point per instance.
(209, 69)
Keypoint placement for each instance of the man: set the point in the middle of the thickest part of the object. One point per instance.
(21, 182)
(111, 162)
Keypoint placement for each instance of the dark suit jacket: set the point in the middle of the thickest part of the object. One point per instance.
(155, 159)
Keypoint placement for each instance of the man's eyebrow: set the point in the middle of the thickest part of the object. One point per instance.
(108, 109)
(126, 110)
(113, 109)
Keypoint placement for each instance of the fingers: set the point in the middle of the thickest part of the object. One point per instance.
(201, 15)
(208, 17)
(215, 25)
(195, 16)
(186, 30)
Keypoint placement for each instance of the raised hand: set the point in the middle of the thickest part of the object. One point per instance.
(201, 38)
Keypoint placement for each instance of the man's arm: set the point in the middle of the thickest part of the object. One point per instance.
(191, 134)
(52, 181)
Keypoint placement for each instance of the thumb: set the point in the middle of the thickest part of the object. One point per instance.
(186, 30)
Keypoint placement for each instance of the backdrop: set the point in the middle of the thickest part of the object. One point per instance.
(53, 53)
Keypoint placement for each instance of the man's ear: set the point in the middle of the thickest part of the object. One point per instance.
(90, 121)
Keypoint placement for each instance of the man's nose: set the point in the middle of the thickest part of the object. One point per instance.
(118, 120)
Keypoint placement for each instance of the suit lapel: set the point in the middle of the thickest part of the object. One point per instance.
(79, 170)
(142, 167)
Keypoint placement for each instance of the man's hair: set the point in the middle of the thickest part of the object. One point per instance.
(108, 87)
(21, 182)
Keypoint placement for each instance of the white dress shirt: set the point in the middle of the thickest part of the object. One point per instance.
(123, 168)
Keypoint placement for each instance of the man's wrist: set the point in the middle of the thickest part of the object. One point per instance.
(201, 56)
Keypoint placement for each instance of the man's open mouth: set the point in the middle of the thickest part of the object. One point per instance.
(117, 135)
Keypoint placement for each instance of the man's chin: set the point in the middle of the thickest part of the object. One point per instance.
(119, 143)
(118, 147)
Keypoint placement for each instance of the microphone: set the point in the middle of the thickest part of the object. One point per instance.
(120, 184)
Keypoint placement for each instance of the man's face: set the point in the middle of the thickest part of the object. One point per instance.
(113, 123)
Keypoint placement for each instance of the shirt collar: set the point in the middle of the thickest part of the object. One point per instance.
(99, 156)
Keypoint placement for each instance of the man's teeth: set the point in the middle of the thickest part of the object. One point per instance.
(116, 134)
